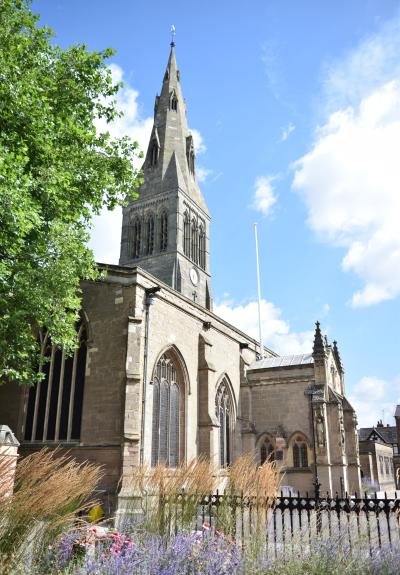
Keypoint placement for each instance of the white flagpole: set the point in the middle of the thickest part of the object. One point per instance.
(259, 294)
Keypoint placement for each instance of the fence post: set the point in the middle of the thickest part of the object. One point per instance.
(317, 488)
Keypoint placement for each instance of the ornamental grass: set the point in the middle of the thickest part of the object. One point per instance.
(165, 499)
(51, 489)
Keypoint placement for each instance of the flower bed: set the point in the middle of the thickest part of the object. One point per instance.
(207, 552)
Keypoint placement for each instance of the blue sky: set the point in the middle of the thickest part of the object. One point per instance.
(296, 111)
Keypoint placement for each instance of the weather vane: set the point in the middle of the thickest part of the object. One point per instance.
(173, 34)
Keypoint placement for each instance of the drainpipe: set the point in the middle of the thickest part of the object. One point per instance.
(150, 292)
(317, 485)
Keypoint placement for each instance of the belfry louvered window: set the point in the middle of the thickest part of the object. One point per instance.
(163, 231)
(224, 413)
(167, 414)
(186, 235)
(202, 248)
(54, 407)
(137, 238)
(300, 453)
(150, 235)
(195, 245)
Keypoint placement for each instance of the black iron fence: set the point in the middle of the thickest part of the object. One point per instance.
(286, 524)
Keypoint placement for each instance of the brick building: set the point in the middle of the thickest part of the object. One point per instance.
(158, 376)
(379, 453)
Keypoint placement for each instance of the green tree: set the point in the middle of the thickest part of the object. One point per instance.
(56, 171)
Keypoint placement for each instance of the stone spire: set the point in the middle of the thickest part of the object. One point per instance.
(337, 357)
(170, 157)
(165, 230)
(319, 345)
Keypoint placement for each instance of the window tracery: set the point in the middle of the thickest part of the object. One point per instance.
(225, 414)
(54, 408)
(267, 452)
(186, 235)
(163, 231)
(202, 248)
(300, 452)
(137, 238)
(195, 245)
(167, 413)
(150, 235)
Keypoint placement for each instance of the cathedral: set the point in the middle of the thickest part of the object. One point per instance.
(158, 377)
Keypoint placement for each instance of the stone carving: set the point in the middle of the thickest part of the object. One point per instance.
(320, 427)
(356, 438)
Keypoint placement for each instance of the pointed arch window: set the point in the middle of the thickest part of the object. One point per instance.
(54, 409)
(130, 240)
(167, 424)
(224, 413)
(173, 101)
(154, 152)
(300, 452)
(137, 238)
(150, 235)
(192, 162)
(202, 248)
(195, 239)
(163, 231)
(267, 452)
(186, 235)
(190, 155)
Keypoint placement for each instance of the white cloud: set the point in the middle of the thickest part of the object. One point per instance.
(375, 399)
(276, 331)
(202, 173)
(131, 124)
(371, 64)
(198, 142)
(106, 231)
(349, 181)
(105, 236)
(287, 131)
(264, 196)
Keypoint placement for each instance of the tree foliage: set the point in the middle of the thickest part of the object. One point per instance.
(56, 171)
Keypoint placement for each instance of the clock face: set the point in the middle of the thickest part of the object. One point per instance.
(194, 276)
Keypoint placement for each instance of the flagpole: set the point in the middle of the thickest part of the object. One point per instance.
(259, 294)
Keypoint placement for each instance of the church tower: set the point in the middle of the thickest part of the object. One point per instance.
(166, 230)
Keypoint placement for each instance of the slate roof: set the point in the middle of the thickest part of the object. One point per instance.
(283, 361)
(388, 434)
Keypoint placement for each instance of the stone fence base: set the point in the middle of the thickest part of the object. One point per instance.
(8, 460)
